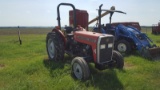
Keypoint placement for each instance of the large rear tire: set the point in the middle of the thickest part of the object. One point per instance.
(55, 46)
(123, 46)
(80, 69)
(118, 61)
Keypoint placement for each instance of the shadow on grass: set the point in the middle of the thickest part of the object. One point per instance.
(133, 53)
(56, 66)
(53, 64)
(105, 80)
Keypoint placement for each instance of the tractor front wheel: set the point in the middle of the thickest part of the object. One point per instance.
(80, 69)
(118, 61)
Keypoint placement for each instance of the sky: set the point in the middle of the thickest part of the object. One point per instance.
(44, 12)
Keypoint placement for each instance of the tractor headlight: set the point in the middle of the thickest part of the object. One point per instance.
(110, 45)
(103, 46)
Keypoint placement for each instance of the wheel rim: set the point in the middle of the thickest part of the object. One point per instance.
(122, 47)
(77, 70)
(51, 48)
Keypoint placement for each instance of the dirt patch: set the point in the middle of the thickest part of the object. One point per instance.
(129, 65)
(2, 65)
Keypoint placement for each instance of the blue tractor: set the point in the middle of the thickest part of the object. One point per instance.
(128, 38)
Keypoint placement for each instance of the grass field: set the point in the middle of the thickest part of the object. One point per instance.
(26, 67)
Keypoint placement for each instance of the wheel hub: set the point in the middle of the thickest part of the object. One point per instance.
(51, 48)
(122, 47)
(77, 70)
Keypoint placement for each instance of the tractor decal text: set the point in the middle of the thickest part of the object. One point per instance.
(86, 39)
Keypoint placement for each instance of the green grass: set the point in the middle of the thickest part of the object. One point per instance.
(26, 67)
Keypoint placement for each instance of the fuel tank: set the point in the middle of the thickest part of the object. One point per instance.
(81, 17)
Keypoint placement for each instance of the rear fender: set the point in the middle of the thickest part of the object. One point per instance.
(61, 34)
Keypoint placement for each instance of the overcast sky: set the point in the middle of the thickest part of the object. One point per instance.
(43, 12)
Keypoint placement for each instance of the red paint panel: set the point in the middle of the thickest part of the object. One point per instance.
(61, 34)
(134, 24)
(81, 17)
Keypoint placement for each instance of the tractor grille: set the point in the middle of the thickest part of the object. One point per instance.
(105, 48)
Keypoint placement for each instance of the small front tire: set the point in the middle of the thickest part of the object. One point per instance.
(118, 61)
(80, 69)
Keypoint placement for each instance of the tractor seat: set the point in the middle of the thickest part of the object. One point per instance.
(70, 35)
(68, 29)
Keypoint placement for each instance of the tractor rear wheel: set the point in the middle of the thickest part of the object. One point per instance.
(80, 69)
(55, 46)
(118, 61)
(123, 46)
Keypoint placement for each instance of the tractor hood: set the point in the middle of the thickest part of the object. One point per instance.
(102, 44)
(89, 37)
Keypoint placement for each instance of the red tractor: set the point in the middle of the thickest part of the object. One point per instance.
(85, 46)
(156, 28)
